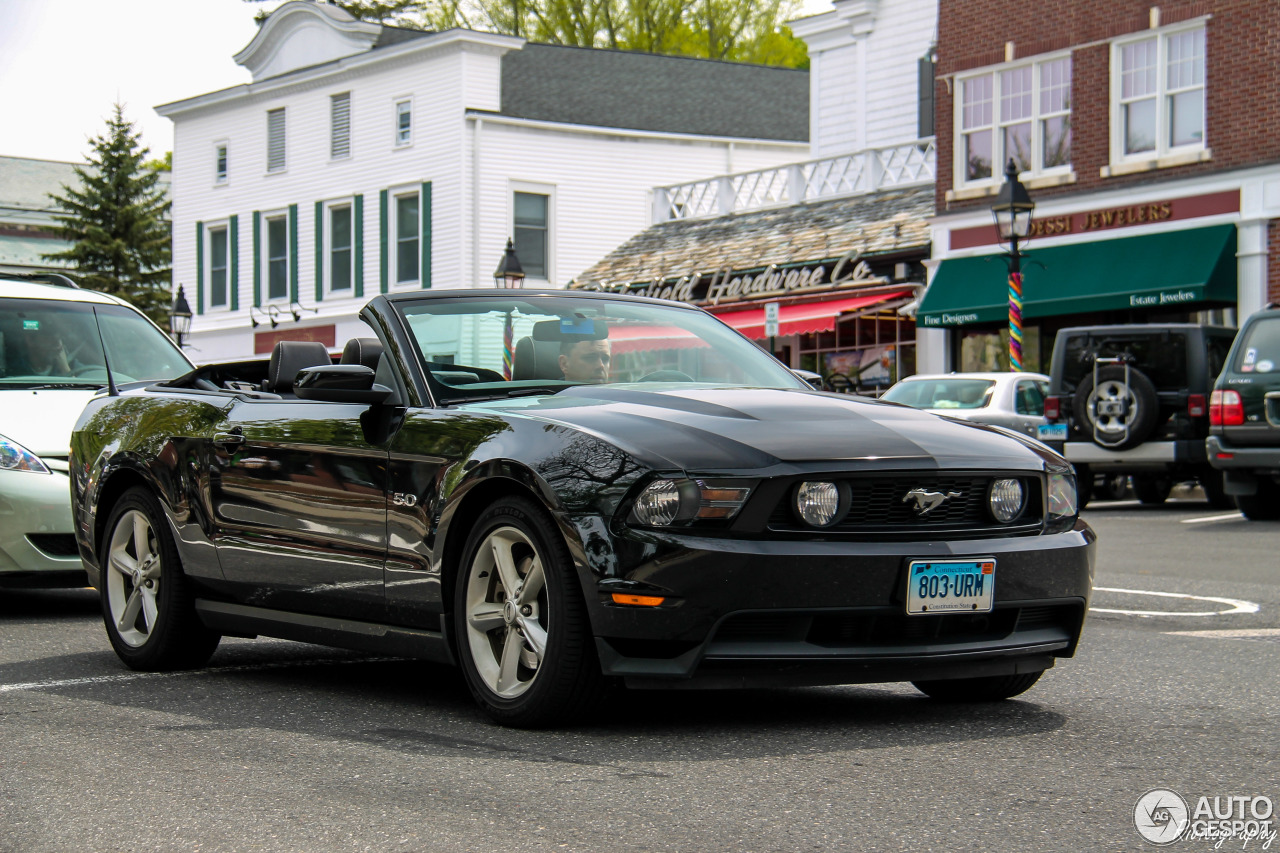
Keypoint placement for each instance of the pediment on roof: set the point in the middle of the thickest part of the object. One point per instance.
(300, 34)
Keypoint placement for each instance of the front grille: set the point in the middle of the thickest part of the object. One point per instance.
(857, 628)
(54, 544)
(878, 507)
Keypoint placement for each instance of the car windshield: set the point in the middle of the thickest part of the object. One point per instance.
(484, 347)
(1260, 351)
(942, 393)
(55, 343)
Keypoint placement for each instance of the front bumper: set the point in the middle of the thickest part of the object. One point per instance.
(743, 613)
(37, 540)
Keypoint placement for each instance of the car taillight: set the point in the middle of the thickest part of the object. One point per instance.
(1226, 408)
(1052, 408)
(1195, 405)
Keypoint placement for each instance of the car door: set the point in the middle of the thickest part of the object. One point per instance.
(300, 508)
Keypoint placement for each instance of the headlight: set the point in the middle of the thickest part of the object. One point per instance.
(818, 503)
(670, 501)
(1061, 506)
(15, 457)
(1006, 498)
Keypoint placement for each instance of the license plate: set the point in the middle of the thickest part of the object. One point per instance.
(950, 586)
(1051, 432)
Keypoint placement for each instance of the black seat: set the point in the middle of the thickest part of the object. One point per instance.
(288, 358)
(364, 351)
(536, 360)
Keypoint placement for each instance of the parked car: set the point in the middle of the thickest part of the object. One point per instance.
(1134, 400)
(665, 510)
(1244, 417)
(1011, 400)
(56, 341)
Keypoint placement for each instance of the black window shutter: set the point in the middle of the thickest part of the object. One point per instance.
(925, 85)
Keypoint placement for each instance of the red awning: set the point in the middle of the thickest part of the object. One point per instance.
(639, 338)
(803, 319)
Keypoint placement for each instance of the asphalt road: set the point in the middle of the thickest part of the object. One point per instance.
(282, 746)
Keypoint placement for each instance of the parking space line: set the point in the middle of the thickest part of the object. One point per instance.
(1270, 634)
(1227, 517)
(1237, 606)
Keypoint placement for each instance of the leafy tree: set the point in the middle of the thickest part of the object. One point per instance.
(161, 164)
(117, 222)
(734, 30)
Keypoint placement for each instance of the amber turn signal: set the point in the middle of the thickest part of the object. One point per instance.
(639, 600)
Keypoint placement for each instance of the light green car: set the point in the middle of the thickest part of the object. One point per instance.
(56, 343)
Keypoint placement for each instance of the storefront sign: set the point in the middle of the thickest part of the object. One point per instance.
(730, 285)
(1102, 219)
(1146, 300)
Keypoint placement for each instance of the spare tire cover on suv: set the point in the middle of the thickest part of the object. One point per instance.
(1114, 414)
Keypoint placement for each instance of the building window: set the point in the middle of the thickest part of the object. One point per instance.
(529, 228)
(404, 122)
(340, 126)
(1021, 113)
(340, 252)
(277, 257)
(1158, 86)
(218, 267)
(220, 164)
(275, 140)
(408, 233)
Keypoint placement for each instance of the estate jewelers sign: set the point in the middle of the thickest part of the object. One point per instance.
(730, 285)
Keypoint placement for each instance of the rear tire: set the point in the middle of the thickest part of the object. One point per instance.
(1215, 491)
(147, 604)
(1262, 505)
(524, 638)
(992, 688)
(1152, 490)
(1113, 488)
(1084, 486)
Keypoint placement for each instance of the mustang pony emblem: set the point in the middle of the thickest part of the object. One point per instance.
(927, 501)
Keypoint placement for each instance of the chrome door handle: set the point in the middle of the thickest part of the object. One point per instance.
(228, 439)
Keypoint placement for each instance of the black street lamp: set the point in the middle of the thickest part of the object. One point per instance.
(509, 272)
(180, 318)
(1012, 212)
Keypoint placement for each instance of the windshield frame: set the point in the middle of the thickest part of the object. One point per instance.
(545, 302)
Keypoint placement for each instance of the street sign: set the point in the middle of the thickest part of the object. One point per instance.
(770, 319)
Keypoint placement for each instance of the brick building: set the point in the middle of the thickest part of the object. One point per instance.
(1146, 136)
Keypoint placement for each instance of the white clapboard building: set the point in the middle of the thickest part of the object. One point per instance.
(364, 159)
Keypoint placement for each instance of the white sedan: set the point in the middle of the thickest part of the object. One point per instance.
(1011, 400)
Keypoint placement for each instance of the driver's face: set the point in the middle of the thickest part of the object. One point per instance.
(588, 361)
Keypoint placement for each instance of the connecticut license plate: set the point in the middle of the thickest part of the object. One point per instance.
(1051, 432)
(950, 586)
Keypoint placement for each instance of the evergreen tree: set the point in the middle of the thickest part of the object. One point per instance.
(117, 222)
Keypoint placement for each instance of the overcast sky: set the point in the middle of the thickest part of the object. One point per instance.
(63, 63)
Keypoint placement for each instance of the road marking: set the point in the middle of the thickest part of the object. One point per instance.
(1228, 517)
(134, 676)
(1272, 634)
(1113, 504)
(1237, 606)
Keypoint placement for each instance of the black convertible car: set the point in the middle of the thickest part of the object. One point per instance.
(564, 491)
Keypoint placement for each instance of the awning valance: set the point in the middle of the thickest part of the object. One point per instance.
(805, 318)
(1168, 269)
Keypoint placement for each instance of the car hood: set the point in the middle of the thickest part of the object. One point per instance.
(705, 428)
(41, 421)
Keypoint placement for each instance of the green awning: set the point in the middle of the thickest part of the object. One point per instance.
(1168, 269)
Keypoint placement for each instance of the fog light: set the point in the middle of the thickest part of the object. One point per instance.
(658, 503)
(818, 503)
(1006, 498)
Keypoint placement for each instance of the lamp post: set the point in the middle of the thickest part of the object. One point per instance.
(509, 274)
(180, 318)
(1012, 212)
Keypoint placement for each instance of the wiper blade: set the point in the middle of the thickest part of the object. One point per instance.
(45, 386)
(488, 398)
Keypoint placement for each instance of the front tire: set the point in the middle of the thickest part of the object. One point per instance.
(147, 604)
(992, 688)
(524, 639)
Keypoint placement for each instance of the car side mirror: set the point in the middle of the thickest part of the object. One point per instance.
(340, 383)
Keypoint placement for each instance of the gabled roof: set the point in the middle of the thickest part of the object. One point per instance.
(645, 91)
(880, 223)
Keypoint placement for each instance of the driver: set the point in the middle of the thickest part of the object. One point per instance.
(45, 351)
(585, 361)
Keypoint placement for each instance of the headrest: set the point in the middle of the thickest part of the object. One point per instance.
(536, 360)
(362, 351)
(288, 358)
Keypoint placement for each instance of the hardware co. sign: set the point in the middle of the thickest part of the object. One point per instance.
(730, 285)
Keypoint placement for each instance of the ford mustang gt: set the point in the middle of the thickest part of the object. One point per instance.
(563, 492)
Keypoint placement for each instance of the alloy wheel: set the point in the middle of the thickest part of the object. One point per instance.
(506, 612)
(133, 578)
(1114, 407)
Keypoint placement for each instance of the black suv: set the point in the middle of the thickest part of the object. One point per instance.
(1134, 400)
(1244, 413)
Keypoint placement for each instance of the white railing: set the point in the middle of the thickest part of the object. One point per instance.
(849, 174)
